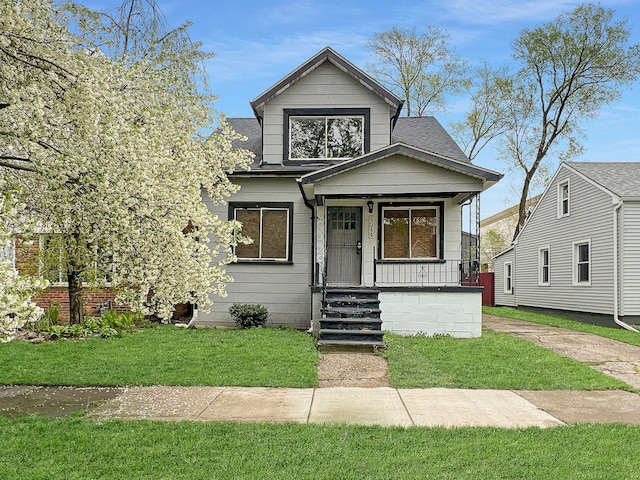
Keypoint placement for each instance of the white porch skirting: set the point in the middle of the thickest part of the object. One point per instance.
(457, 314)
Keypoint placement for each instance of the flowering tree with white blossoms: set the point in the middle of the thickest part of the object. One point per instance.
(107, 141)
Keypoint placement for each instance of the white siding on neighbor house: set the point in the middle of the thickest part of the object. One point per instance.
(395, 174)
(282, 288)
(590, 219)
(325, 87)
(502, 298)
(630, 258)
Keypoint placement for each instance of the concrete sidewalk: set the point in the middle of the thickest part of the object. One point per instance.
(371, 406)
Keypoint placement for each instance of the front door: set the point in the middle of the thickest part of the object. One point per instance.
(344, 245)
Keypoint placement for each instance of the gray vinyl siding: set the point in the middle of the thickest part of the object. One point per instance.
(630, 255)
(397, 174)
(325, 87)
(282, 288)
(502, 298)
(590, 219)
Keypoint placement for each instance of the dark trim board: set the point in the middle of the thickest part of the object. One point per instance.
(432, 289)
(322, 112)
(284, 205)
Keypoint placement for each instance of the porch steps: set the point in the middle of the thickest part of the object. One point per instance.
(351, 320)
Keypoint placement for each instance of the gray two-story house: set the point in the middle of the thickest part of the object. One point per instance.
(579, 250)
(355, 212)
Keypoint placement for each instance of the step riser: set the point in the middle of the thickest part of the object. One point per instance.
(350, 327)
(351, 320)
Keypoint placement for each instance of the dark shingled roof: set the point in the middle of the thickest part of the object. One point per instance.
(620, 178)
(427, 133)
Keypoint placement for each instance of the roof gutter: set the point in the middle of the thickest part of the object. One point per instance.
(619, 322)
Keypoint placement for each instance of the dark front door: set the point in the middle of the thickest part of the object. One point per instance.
(344, 245)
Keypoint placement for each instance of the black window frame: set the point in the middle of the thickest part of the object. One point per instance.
(413, 205)
(233, 206)
(322, 112)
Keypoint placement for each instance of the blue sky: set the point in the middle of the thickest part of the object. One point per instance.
(259, 42)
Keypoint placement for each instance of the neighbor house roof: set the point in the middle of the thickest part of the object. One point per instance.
(620, 178)
(327, 55)
(427, 133)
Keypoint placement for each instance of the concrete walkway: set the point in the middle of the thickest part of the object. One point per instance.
(613, 358)
(384, 406)
(356, 405)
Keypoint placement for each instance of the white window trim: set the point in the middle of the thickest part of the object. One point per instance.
(574, 263)
(508, 286)
(8, 252)
(541, 265)
(61, 273)
(409, 208)
(561, 200)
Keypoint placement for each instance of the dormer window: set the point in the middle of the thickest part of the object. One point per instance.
(325, 134)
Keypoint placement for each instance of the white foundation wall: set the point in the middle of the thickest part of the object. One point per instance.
(457, 314)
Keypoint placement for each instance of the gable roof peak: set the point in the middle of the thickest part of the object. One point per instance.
(324, 55)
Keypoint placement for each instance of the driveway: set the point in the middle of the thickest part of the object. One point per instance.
(613, 358)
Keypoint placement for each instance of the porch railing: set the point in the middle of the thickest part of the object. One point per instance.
(427, 273)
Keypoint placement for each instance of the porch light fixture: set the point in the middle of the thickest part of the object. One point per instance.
(370, 206)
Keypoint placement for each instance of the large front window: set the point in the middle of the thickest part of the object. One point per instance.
(410, 232)
(325, 134)
(268, 226)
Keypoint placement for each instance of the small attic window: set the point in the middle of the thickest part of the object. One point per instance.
(325, 134)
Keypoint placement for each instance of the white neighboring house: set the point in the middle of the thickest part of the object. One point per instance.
(579, 251)
(355, 213)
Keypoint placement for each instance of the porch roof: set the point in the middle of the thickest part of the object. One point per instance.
(398, 170)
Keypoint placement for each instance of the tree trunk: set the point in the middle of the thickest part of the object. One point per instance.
(522, 209)
(76, 304)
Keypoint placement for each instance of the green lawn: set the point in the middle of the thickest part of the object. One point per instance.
(495, 360)
(619, 334)
(287, 358)
(167, 356)
(79, 449)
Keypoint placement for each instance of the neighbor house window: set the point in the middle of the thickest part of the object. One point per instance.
(543, 266)
(53, 261)
(269, 226)
(7, 252)
(327, 134)
(411, 232)
(563, 199)
(582, 263)
(53, 258)
(508, 277)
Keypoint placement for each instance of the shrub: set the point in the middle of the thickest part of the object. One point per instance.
(247, 315)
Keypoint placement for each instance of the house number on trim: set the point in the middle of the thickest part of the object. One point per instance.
(371, 225)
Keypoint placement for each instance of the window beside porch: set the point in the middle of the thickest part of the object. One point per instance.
(410, 233)
(269, 225)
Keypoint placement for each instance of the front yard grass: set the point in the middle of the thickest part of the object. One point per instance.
(619, 334)
(494, 361)
(167, 356)
(79, 449)
(287, 358)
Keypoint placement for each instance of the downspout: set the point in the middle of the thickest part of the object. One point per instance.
(619, 322)
(313, 247)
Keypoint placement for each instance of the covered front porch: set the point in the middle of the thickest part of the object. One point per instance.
(392, 222)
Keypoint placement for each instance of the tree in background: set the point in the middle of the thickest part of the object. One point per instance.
(107, 144)
(568, 70)
(421, 67)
